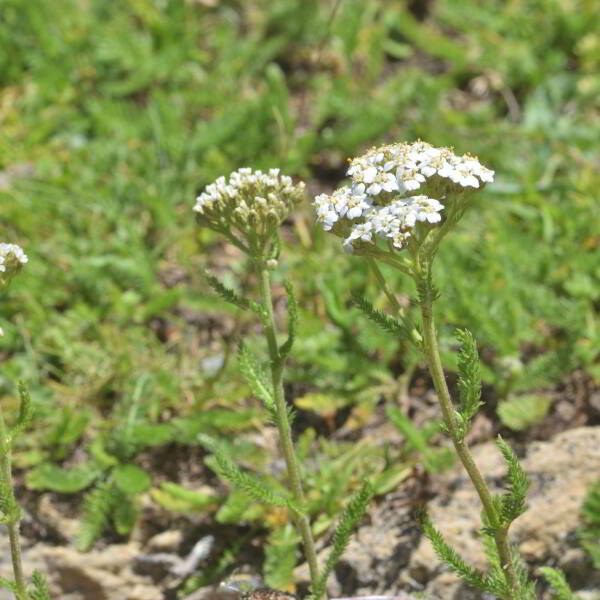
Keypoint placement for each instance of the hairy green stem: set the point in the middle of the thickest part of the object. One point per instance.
(13, 517)
(462, 449)
(283, 425)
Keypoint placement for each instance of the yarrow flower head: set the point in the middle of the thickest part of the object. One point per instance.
(12, 258)
(379, 201)
(249, 206)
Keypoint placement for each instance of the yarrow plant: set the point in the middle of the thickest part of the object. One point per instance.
(12, 258)
(248, 208)
(380, 217)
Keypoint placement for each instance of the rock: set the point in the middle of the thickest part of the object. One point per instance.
(560, 471)
(167, 541)
(100, 574)
(377, 553)
(389, 556)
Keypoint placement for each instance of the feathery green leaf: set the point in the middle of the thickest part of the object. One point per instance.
(243, 481)
(256, 377)
(469, 377)
(25, 412)
(7, 584)
(449, 556)
(230, 296)
(352, 515)
(558, 583)
(97, 508)
(292, 320)
(513, 501)
(38, 590)
(280, 557)
(401, 327)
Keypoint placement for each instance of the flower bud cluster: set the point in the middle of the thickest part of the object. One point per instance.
(376, 203)
(250, 203)
(12, 258)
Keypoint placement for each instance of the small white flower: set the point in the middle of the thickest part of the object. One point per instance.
(374, 189)
(368, 175)
(7, 250)
(362, 231)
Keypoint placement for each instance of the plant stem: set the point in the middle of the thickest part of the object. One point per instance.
(13, 511)
(383, 284)
(462, 449)
(283, 425)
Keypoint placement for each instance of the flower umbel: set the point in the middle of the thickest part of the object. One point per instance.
(378, 204)
(249, 206)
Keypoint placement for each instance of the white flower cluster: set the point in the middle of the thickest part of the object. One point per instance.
(377, 202)
(251, 201)
(11, 249)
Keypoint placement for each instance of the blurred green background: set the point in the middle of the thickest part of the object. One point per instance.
(114, 114)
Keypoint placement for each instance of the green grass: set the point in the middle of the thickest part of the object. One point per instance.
(124, 111)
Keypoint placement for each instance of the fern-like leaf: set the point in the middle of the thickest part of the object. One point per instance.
(401, 327)
(513, 501)
(590, 532)
(494, 580)
(450, 557)
(292, 321)
(427, 293)
(125, 513)
(8, 584)
(352, 515)
(558, 583)
(469, 378)
(24, 417)
(230, 296)
(245, 482)
(280, 557)
(256, 377)
(98, 506)
(38, 590)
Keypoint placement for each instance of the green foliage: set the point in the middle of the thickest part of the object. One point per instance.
(558, 583)
(246, 482)
(469, 379)
(256, 378)
(493, 581)
(25, 411)
(176, 498)
(522, 411)
(67, 429)
(39, 587)
(7, 584)
(401, 327)
(125, 125)
(230, 296)
(280, 557)
(97, 508)
(106, 504)
(292, 320)
(351, 516)
(434, 459)
(513, 501)
(589, 534)
(450, 557)
(48, 476)
(130, 479)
